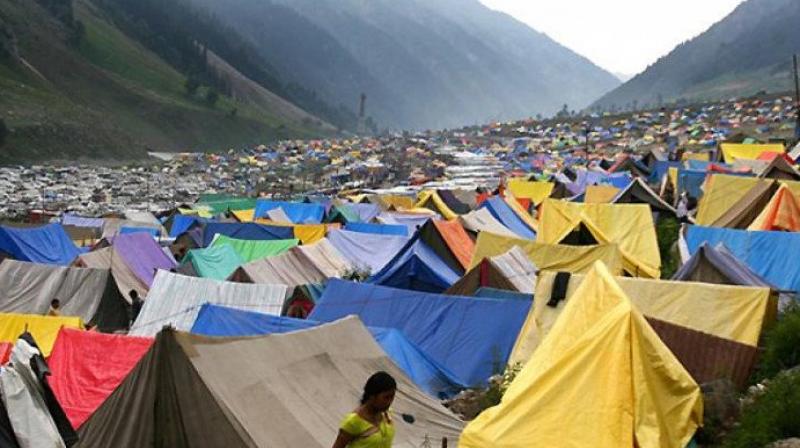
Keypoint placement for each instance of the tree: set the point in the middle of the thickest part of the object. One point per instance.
(3, 132)
(191, 85)
(212, 96)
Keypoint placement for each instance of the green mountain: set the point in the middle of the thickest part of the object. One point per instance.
(91, 79)
(750, 50)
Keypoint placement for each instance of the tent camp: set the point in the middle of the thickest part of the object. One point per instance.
(505, 214)
(251, 250)
(734, 151)
(43, 328)
(638, 192)
(87, 366)
(48, 244)
(246, 231)
(628, 225)
(416, 267)
(412, 221)
(367, 251)
(472, 337)
(214, 262)
(450, 242)
(175, 299)
(29, 288)
(511, 271)
(718, 265)
(600, 194)
(285, 390)
(556, 257)
(481, 220)
(431, 200)
(428, 375)
(536, 192)
(635, 391)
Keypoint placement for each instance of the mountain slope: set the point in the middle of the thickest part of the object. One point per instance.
(90, 91)
(421, 64)
(748, 51)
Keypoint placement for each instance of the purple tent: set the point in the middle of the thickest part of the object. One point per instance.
(142, 254)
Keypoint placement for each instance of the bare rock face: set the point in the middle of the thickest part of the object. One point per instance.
(788, 443)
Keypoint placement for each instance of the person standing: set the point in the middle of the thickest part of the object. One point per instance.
(54, 310)
(370, 425)
(136, 305)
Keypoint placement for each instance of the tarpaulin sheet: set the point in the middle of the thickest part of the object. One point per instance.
(535, 191)
(781, 213)
(379, 229)
(660, 170)
(366, 250)
(44, 329)
(735, 151)
(601, 378)
(492, 293)
(215, 262)
(142, 254)
(87, 366)
(232, 204)
(691, 182)
(80, 221)
(299, 266)
(123, 276)
(481, 220)
(472, 337)
(425, 372)
(48, 244)
(246, 231)
(457, 240)
(430, 199)
(311, 233)
(718, 265)
(766, 253)
(630, 226)
(364, 212)
(555, 257)
(251, 250)
(600, 194)
(722, 192)
(416, 267)
(501, 211)
(182, 223)
(175, 300)
(5, 352)
(412, 221)
(298, 212)
(126, 230)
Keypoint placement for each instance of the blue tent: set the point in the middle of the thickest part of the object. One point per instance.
(691, 181)
(508, 217)
(436, 380)
(182, 223)
(768, 254)
(416, 267)
(246, 231)
(48, 244)
(660, 169)
(472, 337)
(298, 212)
(367, 250)
(127, 230)
(379, 229)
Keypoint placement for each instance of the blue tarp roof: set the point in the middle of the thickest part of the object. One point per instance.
(691, 181)
(380, 229)
(182, 223)
(418, 268)
(431, 377)
(660, 170)
(48, 244)
(246, 231)
(508, 217)
(367, 250)
(298, 212)
(768, 254)
(472, 337)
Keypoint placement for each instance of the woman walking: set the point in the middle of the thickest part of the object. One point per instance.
(370, 425)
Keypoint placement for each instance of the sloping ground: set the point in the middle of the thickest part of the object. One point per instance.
(109, 98)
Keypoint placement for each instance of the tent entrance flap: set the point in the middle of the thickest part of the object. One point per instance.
(580, 236)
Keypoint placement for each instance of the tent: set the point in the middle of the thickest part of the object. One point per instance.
(392, 201)
(175, 299)
(430, 199)
(782, 213)
(481, 220)
(718, 265)
(765, 253)
(378, 229)
(245, 231)
(602, 377)
(29, 288)
(733, 151)
(297, 212)
(512, 271)
(426, 373)
(506, 215)
(251, 250)
(472, 337)
(44, 329)
(47, 244)
(535, 191)
(557, 257)
(87, 366)
(367, 251)
(450, 242)
(600, 194)
(638, 192)
(780, 168)
(214, 262)
(80, 221)
(412, 221)
(285, 390)
(741, 213)
(628, 225)
(455, 200)
(416, 267)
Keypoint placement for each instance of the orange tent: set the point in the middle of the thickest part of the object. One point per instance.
(782, 213)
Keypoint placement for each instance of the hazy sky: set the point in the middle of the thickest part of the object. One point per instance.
(622, 36)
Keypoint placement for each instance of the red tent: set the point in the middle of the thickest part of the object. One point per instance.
(5, 352)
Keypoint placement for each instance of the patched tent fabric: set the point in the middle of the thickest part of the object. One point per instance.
(450, 242)
(47, 244)
(297, 212)
(637, 394)
(285, 390)
(214, 262)
(735, 151)
(175, 300)
(44, 329)
(782, 213)
(628, 225)
(367, 251)
(512, 271)
(766, 253)
(535, 191)
(638, 192)
(430, 199)
(506, 215)
(600, 194)
(470, 336)
(481, 220)
(379, 229)
(29, 288)
(416, 267)
(717, 265)
(87, 366)
(425, 372)
(301, 265)
(730, 312)
(555, 257)
(246, 231)
(251, 250)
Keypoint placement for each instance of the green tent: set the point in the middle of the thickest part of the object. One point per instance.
(230, 203)
(216, 262)
(249, 250)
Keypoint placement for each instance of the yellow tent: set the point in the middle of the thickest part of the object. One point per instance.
(520, 211)
(695, 156)
(393, 200)
(556, 257)
(430, 199)
(736, 313)
(628, 225)
(535, 191)
(723, 191)
(244, 215)
(44, 329)
(733, 151)
(600, 194)
(601, 378)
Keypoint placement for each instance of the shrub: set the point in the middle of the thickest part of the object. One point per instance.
(212, 96)
(191, 85)
(781, 344)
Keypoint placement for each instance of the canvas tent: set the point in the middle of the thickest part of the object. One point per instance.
(628, 225)
(47, 244)
(638, 192)
(481, 220)
(511, 271)
(416, 267)
(536, 192)
(469, 336)
(175, 299)
(379, 229)
(367, 251)
(286, 390)
(245, 231)
(431, 200)
(718, 265)
(638, 394)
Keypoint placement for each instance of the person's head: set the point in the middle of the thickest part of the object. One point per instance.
(55, 303)
(133, 295)
(379, 392)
